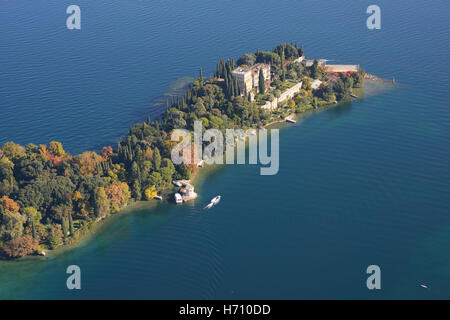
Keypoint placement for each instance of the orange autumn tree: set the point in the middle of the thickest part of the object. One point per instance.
(56, 149)
(88, 162)
(148, 154)
(107, 152)
(54, 152)
(118, 195)
(43, 152)
(57, 153)
(9, 205)
(20, 247)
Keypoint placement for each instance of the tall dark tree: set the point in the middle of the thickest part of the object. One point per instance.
(156, 159)
(262, 85)
(300, 51)
(70, 224)
(64, 227)
(315, 70)
(201, 80)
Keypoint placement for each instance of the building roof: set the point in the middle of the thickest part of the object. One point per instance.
(255, 67)
(316, 84)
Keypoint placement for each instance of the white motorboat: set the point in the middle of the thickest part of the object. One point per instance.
(215, 200)
(178, 198)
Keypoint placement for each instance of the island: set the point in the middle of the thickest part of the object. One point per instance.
(49, 198)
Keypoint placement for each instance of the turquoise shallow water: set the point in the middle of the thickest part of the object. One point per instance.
(364, 183)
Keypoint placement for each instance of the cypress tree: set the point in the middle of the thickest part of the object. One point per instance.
(200, 78)
(262, 85)
(156, 158)
(70, 224)
(137, 190)
(64, 227)
(33, 229)
(300, 50)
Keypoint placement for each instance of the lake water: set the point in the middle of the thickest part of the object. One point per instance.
(364, 183)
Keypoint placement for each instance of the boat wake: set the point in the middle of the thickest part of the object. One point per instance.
(213, 202)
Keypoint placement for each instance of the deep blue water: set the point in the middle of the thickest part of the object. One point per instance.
(364, 183)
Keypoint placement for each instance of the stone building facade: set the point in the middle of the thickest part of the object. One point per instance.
(248, 77)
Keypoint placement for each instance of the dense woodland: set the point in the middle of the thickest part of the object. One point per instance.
(49, 198)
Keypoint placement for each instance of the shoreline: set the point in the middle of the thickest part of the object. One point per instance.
(372, 79)
(197, 181)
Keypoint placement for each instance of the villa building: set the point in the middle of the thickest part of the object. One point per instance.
(248, 77)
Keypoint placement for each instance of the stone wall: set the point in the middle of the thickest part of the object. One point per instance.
(287, 94)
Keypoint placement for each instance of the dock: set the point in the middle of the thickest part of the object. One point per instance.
(187, 190)
(291, 118)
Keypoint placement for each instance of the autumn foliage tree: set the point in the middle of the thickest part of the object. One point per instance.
(12, 221)
(56, 149)
(88, 162)
(107, 152)
(9, 205)
(150, 193)
(148, 154)
(101, 203)
(20, 247)
(12, 150)
(53, 152)
(118, 195)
